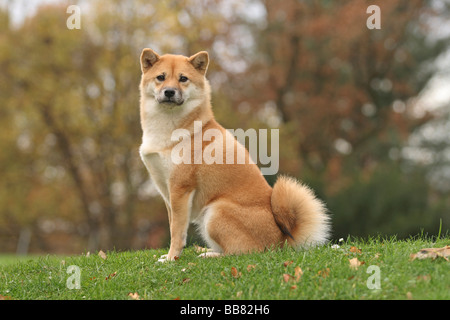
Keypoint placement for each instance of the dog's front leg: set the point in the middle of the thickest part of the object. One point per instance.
(169, 212)
(163, 258)
(179, 223)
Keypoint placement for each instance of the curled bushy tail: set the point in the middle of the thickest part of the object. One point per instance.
(299, 214)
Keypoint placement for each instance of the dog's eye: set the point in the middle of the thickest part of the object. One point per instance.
(161, 77)
(183, 79)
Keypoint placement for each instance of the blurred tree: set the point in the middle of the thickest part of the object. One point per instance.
(344, 93)
(71, 124)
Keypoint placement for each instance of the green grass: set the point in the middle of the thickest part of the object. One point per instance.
(326, 274)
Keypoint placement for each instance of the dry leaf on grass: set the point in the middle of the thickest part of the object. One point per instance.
(102, 255)
(235, 273)
(355, 263)
(250, 267)
(287, 277)
(355, 249)
(112, 275)
(324, 273)
(134, 296)
(295, 278)
(287, 263)
(425, 277)
(432, 253)
(298, 273)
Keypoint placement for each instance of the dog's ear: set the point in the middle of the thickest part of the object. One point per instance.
(200, 61)
(148, 59)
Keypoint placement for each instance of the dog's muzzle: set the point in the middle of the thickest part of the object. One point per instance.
(171, 96)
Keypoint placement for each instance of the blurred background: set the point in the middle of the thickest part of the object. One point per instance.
(364, 115)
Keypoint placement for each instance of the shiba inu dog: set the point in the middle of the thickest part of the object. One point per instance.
(235, 209)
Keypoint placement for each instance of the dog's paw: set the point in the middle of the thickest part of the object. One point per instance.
(166, 257)
(210, 254)
(163, 258)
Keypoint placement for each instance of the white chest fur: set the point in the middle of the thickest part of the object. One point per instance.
(159, 165)
(158, 125)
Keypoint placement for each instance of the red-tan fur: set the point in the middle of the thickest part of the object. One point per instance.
(235, 209)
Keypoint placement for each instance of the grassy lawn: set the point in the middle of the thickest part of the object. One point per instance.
(7, 259)
(318, 273)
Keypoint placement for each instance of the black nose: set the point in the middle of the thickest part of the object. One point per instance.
(169, 93)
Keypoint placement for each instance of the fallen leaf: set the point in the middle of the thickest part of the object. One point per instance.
(287, 277)
(294, 287)
(426, 277)
(432, 253)
(134, 296)
(286, 263)
(111, 275)
(324, 273)
(355, 249)
(185, 280)
(409, 296)
(355, 263)
(235, 273)
(296, 277)
(250, 267)
(102, 255)
(298, 273)
(238, 294)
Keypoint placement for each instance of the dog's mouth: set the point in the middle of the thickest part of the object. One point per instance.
(170, 101)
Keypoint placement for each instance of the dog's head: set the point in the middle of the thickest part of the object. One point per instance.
(173, 80)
